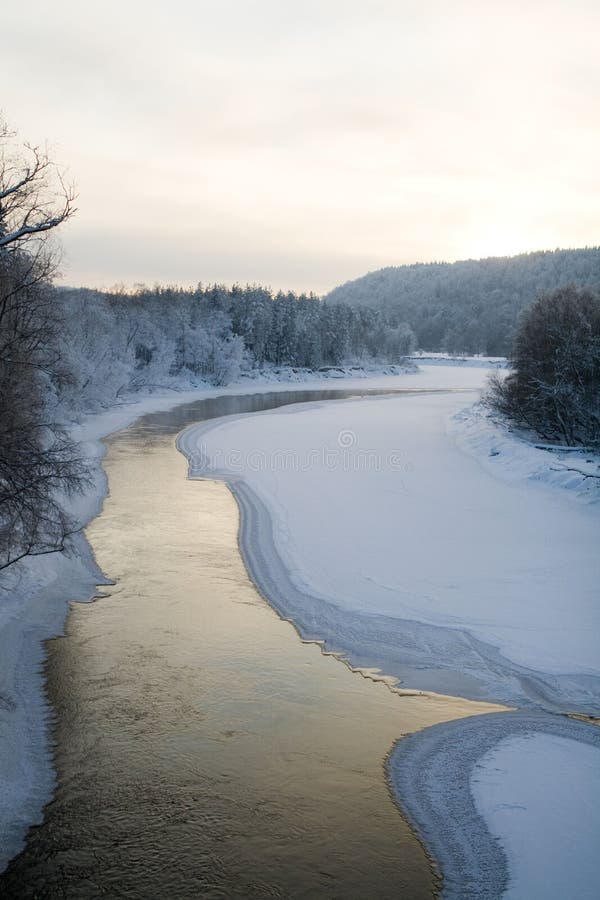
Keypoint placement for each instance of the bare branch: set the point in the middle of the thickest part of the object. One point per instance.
(38, 463)
(34, 197)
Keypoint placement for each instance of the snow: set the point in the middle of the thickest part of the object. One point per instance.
(416, 536)
(504, 454)
(506, 803)
(378, 515)
(442, 359)
(540, 796)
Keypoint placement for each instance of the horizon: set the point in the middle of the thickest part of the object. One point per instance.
(132, 289)
(304, 147)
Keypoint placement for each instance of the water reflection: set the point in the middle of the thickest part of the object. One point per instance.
(202, 749)
(172, 421)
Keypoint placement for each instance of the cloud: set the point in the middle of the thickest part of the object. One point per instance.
(322, 136)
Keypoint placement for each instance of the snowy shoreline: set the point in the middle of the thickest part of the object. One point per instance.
(448, 646)
(438, 796)
(433, 774)
(419, 655)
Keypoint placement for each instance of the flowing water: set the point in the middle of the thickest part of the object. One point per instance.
(202, 749)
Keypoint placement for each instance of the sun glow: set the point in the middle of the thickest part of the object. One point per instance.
(502, 240)
(302, 145)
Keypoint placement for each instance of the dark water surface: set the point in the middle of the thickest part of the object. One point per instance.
(202, 749)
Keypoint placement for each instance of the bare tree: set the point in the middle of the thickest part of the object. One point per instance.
(38, 462)
(27, 198)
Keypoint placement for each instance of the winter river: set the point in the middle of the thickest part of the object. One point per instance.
(202, 749)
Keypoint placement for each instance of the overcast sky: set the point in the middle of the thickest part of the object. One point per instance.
(302, 144)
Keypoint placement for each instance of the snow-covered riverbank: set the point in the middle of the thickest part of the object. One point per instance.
(507, 803)
(370, 527)
(405, 553)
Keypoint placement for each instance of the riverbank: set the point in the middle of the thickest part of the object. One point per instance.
(344, 505)
(500, 810)
(499, 621)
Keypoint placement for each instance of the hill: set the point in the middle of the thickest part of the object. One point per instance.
(470, 306)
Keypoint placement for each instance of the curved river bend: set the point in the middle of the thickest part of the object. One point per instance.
(202, 749)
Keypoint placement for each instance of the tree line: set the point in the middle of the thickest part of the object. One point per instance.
(116, 342)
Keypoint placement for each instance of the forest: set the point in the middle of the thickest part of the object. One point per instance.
(115, 343)
(472, 306)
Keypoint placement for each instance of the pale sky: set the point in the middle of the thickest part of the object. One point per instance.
(303, 144)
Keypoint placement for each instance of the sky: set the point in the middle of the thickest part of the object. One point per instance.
(300, 145)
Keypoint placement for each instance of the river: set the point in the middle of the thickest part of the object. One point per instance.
(202, 749)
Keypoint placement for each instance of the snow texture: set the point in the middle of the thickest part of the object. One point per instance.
(506, 803)
(366, 523)
(540, 796)
(474, 362)
(459, 558)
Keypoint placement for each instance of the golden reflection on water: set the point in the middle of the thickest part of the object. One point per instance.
(202, 749)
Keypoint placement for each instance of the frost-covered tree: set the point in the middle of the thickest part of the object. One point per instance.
(98, 348)
(37, 460)
(119, 342)
(554, 387)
